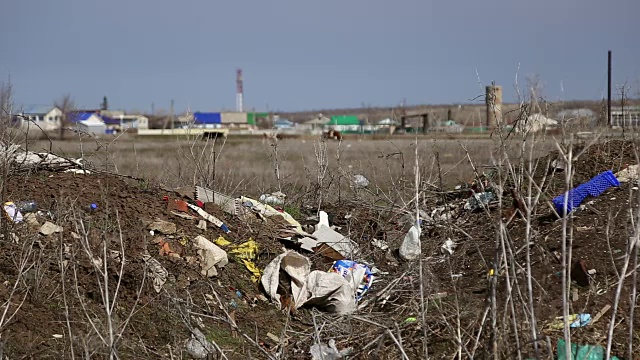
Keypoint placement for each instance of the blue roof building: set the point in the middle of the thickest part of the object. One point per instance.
(80, 116)
(207, 118)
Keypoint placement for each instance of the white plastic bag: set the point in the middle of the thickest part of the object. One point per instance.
(410, 248)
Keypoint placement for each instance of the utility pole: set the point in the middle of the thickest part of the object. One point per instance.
(609, 89)
(172, 120)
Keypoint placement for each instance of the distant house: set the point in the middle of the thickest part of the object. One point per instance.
(88, 122)
(283, 124)
(447, 126)
(207, 119)
(346, 123)
(318, 122)
(627, 116)
(48, 118)
(123, 122)
(535, 123)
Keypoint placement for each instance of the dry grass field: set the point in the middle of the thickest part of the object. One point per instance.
(253, 166)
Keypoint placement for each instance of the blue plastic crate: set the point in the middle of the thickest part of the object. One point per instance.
(594, 187)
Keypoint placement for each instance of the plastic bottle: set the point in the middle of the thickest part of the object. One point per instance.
(27, 206)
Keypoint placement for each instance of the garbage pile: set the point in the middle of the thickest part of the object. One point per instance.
(204, 272)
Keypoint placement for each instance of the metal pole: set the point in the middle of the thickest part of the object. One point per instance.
(609, 89)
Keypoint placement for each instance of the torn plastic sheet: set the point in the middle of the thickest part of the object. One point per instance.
(326, 290)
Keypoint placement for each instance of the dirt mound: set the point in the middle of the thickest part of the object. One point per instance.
(93, 286)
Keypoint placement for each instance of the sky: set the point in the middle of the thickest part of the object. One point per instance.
(301, 55)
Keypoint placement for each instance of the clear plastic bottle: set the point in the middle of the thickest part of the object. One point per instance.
(27, 206)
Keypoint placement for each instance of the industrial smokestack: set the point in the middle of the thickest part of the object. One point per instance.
(239, 91)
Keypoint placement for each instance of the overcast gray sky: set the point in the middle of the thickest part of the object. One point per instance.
(299, 55)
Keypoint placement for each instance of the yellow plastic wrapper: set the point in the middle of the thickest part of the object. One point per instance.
(246, 252)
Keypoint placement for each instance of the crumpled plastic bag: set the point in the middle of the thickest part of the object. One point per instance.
(198, 346)
(325, 352)
(210, 256)
(410, 247)
(157, 272)
(326, 290)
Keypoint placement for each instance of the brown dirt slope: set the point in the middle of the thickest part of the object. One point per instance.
(55, 294)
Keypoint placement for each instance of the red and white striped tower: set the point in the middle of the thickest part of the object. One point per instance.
(239, 90)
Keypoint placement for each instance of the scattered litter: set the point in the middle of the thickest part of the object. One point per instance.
(13, 212)
(581, 352)
(410, 320)
(176, 205)
(31, 220)
(226, 203)
(211, 256)
(198, 346)
(276, 198)
(183, 215)
(358, 275)
(579, 273)
(323, 220)
(202, 225)
(268, 211)
(594, 187)
(49, 228)
(479, 200)
(329, 242)
(360, 181)
(410, 248)
(574, 320)
(246, 252)
(212, 219)
(27, 206)
(448, 246)
(591, 271)
(558, 165)
(273, 337)
(163, 227)
(380, 244)
(601, 313)
(328, 352)
(57, 336)
(583, 228)
(78, 171)
(628, 174)
(326, 290)
(156, 271)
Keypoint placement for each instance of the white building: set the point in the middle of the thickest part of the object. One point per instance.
(48, 118)
(88, 122)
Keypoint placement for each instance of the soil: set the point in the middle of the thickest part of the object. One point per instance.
(60, 290)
